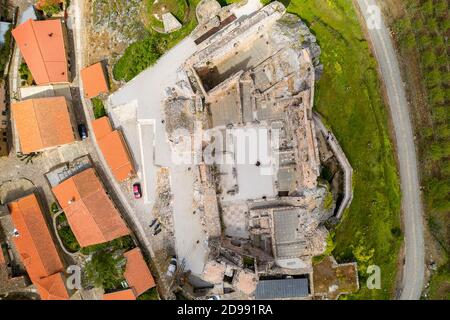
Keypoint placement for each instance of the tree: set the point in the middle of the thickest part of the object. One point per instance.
(105, 270)
(50, 7)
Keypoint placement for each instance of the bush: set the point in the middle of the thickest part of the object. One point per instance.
(105, 270)
(98, 107)
(151, 294)
(124, 243)
(139, 56)
(68, 239)
(51, 7)
(25, 74)
(54, 208)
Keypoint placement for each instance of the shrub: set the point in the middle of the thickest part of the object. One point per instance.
(105, 270)
(51, 7)
(98, 107)
(139, 56)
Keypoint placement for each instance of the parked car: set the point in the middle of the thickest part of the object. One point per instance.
(172, 267)
(157, 231)
(137, 191)
(82, 131)
(153, 222)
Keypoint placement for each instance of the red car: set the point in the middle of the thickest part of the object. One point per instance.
(137, 191)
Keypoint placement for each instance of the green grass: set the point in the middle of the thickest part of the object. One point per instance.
(348, 97)
(144, 53)
(440, 283)
(65, 233)
(151, 294)
(124, 243)
(98, 107)
(25, 74)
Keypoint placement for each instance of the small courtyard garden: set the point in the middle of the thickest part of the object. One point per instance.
(105, 264)
(65, 233)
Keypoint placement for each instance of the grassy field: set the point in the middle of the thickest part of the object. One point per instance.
(348, 97)
(422, 33)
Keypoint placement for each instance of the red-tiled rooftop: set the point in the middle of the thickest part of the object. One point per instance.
(2, 257)
(137, 273)
(126, 294)
(42, 123)
(94, 80)
(36, 248)
(90, 212)
(42, 46)
(52, 287)
(114, 149)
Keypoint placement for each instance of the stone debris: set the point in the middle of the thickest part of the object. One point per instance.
(171, 23)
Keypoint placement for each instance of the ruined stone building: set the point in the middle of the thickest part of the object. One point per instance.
(251, 83)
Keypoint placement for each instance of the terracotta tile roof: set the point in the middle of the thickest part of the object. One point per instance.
(42, 46)
(126, 294)
(36, 248)
(2, 258)
(94, 81)
(114, 149)
(102, 127)
(90, 212)
(137, 273)
(42, 123)
(52, 287)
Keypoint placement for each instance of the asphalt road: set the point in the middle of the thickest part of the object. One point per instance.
(413, 273)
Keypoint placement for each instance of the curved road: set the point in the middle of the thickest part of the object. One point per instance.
(413, 273)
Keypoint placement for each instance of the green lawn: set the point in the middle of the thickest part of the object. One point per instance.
(348, 97)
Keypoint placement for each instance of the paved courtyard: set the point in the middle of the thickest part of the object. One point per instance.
(137, 108)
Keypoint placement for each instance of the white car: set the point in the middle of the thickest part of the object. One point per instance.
(172, 267)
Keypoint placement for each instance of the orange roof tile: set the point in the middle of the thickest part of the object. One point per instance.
(52, 287)
(114, 149)
(36, 247)
(42, 46)
(42, 123)
(94, 81)
(2, 257)
(137, 273)
(90, 212)
(120, 295)
(102, 127)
